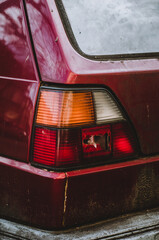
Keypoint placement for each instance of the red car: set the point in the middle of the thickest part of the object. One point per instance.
(79, 101)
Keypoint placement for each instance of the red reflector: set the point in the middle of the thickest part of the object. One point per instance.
(44, 146)
(96, 141)
(123, 143)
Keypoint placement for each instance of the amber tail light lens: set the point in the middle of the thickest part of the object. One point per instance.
(65, 109)
(80, 127)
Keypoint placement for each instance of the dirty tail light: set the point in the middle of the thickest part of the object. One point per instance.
(79, 127)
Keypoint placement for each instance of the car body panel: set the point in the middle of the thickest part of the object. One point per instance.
(57, 200)
(18, 98)
(112, 190)
(18, 82)
(31, 195)
(134, 82)
(53, 200)
(16, 57)
(137, 226)
(50, 59)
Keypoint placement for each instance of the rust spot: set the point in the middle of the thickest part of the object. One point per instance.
(148, 113)
(146, 189)
(65, 200)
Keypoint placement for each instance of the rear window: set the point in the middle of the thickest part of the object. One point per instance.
(112, 27)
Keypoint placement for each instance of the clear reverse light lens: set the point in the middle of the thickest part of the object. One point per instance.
(106, 109)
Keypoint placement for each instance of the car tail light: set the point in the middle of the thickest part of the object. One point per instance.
(80, 127)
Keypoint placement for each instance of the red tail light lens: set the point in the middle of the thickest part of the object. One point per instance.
(79, 126)
(123, 142)
(69, 147)
(44, 146)
(56, 148)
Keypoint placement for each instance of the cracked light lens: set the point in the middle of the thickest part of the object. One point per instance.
(96, 141)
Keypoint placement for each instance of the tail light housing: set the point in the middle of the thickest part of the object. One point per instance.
(79, 127)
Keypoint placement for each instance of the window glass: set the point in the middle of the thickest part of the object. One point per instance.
(110, 27)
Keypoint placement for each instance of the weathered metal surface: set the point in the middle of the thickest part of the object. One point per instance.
(31, 195)
(111, 191)
(139, 226)
(52, 200)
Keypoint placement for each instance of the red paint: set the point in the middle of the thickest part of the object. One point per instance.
(31, 195)
(57, 200)
(92, 194)
(50, 60)
(18, 83)
(17, 100)
(109, 191)
(16, 58)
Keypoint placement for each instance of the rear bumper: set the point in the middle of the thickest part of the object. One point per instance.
(58, 200)
(141, 226)
(31, 195)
